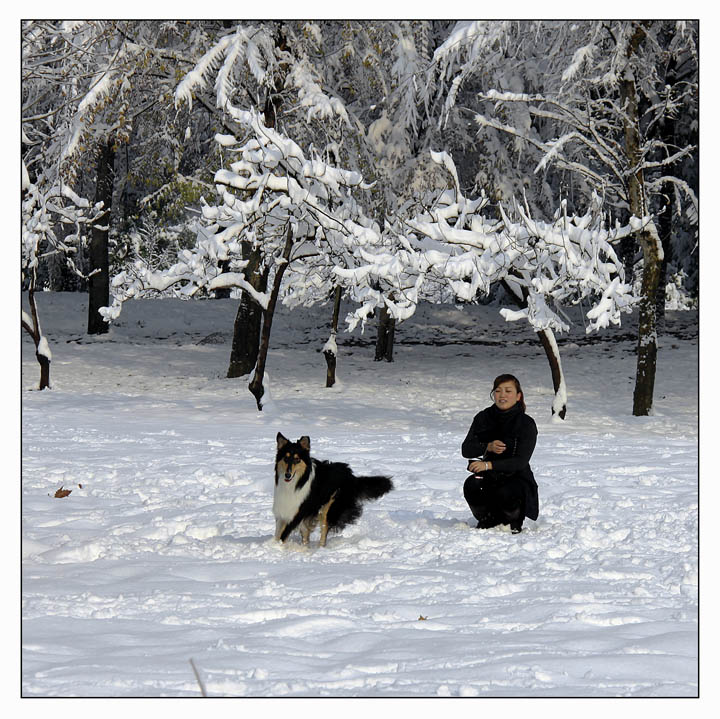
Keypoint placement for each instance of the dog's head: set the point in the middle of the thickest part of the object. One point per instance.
(293, 458)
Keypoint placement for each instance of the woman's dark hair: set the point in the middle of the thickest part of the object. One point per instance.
(509, 378)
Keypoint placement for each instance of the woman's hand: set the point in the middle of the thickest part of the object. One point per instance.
(496, 446)
(479, 465)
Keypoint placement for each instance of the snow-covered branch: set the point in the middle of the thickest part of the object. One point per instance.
(270, 187)
(454, 246)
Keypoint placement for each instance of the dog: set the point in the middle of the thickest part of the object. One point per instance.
(309, 492)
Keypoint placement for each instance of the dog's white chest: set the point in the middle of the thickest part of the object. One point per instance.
(287, 500)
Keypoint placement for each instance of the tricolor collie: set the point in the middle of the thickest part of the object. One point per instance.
(309, 492)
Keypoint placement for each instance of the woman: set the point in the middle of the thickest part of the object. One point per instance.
(501, 440)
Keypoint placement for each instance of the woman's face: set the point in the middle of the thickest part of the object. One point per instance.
(506, 395)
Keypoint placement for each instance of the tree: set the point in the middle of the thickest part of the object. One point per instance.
(43, 205)
(330, 348)
(85, 63)
(395, 132)
(607, 90)
(452, 246)
(54, 216)
(251, 63)
(97, 107)
(298, 210)
(346, 89)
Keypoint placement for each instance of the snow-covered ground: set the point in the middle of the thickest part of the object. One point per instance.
(163, 551)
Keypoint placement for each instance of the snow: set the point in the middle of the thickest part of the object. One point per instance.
(312, 96)
(331, 345)
(195, 78)
(43, 348)
(163, 552)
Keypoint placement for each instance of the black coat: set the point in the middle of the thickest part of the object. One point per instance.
(519, 433)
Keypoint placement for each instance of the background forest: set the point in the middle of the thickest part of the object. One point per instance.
(537, 163)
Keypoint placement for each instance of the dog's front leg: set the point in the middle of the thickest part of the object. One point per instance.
(279, 527)
(305, 529)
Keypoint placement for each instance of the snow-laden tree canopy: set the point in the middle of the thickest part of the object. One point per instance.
(450, 247)
(557, 92)
(269, 189)
(453, 245)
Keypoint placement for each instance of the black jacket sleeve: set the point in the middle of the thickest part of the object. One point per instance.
(522, 452)
(478, 437)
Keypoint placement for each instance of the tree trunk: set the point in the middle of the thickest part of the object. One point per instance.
(256, 385)
(649, 242)
(647, 322)
(329, 351)
(246, 337)
(223, 293)
(42, 353)
(99, 274)
(385, 336)
(552, 352)
(248, 321)
(664, 226)
(559, 406)
(628, 250)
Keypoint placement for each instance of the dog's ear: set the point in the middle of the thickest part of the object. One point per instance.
(304, 442)
(281, 441)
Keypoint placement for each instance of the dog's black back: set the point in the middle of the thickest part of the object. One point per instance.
(329, 480)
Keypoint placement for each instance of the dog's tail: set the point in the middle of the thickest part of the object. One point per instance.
(348, 504)
(373, 487)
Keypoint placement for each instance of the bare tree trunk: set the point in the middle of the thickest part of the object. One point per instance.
(248, 321)
(256, 385)
(246, 337)
(42, 351)
(647, 322)
(547, 339)
(385, 337)
(649, 242)
(329, 351)
(665, 228)
(99, 274)
(661, 296)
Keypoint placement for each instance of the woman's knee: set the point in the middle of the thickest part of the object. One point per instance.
(473, 489)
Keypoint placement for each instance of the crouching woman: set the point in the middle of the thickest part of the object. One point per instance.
(500, 443)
